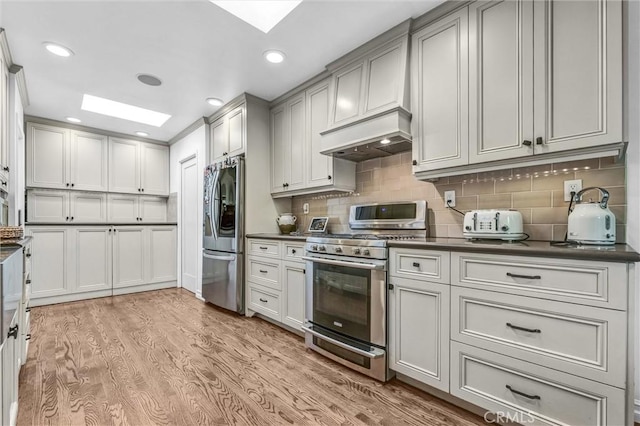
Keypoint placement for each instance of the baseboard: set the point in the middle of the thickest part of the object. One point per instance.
(74, 297)
(199, 296)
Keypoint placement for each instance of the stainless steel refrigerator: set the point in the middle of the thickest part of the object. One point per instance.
(223, 244)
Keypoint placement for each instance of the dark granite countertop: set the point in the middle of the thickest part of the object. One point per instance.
(100, 224)
(614, 253)
(289, 237)
(9, 247)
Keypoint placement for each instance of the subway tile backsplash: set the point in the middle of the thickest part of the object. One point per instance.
(537, 192)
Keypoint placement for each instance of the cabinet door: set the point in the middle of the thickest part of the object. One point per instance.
(88, 161)
(5, 118)
(154, 170)
(293, 294)
(47, 156)
(49, 260)
(440, 98)
(235, 121)
(500, 80)
(88, 207)
(161, 260)
(319, 166)
(128, 256)
(419, 331)
(578, 73)
(219, 140)
(153, 209)
(48, 206)
(124, 166)
(10, 375)
(278, 146)
(294, 160)
(92, 266)
(123, 208)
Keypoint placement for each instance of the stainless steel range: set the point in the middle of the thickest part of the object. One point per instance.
(346, 285)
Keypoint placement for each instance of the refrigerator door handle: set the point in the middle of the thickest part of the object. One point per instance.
(216, 257)
(213, 219)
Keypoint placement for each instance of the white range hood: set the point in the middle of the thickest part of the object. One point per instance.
(370, 97)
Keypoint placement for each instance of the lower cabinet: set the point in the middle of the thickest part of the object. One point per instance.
(276, 281)
(71, 263)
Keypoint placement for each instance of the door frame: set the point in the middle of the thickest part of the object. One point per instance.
(198, 287)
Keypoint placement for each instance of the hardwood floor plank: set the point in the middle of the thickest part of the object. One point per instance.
(165, 358)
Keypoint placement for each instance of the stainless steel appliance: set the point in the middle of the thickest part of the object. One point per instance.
(222, 263)
(591, 222)
(346, 285)
(493, 224)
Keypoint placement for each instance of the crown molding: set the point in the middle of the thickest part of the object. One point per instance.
(188, 130)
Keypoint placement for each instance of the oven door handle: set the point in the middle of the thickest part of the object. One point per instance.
(375, 353)
(343, 263)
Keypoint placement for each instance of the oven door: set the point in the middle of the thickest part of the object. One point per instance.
(347, 296)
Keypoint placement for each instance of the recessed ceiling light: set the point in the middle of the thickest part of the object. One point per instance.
(124, 111)
(58, 49)
(74, 120)
(215, 101)
(385, 141)
(143, 134)
(274, 56)
(262, 14)
(149, 80)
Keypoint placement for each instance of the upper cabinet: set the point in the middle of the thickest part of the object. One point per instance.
(62, 159)
(297, 165)
(501, 83)
(228, 135)
(5, 111)
(138, 167)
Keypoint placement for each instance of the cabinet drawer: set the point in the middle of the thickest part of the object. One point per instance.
(582, 340)
(533, 394)
(293, 252)
(264, 301)
(601, 284)
(265, 272)
(423, 265)
(264, 248)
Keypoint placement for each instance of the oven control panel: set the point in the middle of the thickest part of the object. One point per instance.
(347, 250)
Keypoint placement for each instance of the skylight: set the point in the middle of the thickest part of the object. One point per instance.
(124, 111)
(262, 14)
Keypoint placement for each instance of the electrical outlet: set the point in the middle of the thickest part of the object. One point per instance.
(571, 186)
(450, 198)
(305, 208)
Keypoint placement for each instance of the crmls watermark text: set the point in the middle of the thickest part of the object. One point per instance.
(500, 417)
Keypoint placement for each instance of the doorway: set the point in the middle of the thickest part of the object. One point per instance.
(189, 241)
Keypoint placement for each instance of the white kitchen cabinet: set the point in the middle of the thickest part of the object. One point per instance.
(5, 119)
(440, 93)
(578, 74)
(419, 330)
(288, 143)
(138, 167)
(124, 166)
(136, 209)
(49, 206)
(297, 165)
(91, 263)
(128, 256)
(161, 254)
(228, 135)
(63, 159)
(10, 375)
(293, 283)
(50, 254)
(500, 80)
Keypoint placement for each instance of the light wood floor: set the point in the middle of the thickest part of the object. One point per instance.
(163, 357)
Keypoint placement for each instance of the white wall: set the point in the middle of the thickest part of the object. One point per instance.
(633, 163)
(193, 143)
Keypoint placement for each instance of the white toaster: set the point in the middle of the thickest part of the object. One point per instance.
(493, 224)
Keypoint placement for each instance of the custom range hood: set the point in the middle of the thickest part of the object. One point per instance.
(368, 108)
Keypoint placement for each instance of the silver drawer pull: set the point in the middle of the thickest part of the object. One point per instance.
(517, 392)
(527, 277)
(263, 300)
(416, 264)
(529, 330)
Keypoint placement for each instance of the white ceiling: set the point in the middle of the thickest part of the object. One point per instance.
(196, 48)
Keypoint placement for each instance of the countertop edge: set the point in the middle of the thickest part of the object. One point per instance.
(69, 225)
(284, 237)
